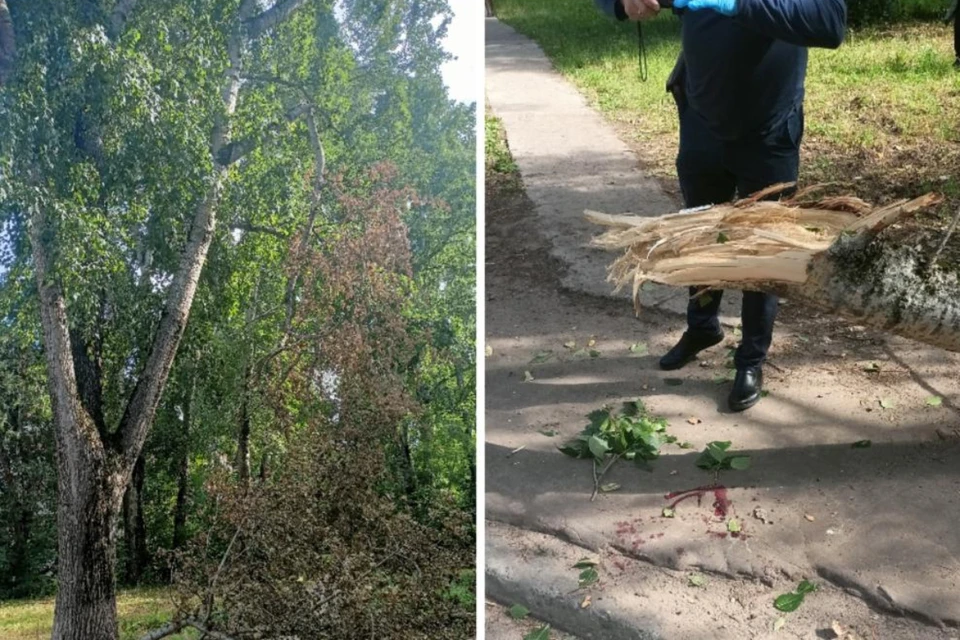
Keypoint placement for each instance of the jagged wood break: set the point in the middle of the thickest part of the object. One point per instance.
(826, 252)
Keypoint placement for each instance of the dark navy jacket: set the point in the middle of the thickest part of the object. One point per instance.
(745, 74)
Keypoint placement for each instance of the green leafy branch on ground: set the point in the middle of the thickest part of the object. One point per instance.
(791, 601)
(716, 457)
(631, 434)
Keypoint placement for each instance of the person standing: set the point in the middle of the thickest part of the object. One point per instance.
(739, 88)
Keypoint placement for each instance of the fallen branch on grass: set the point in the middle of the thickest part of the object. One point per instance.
(831, 253)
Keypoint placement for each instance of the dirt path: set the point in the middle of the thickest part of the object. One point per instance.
(875, 528)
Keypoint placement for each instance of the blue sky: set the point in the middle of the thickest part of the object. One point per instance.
(464, 40)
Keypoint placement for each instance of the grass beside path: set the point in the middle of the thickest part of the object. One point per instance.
(882, 111)
(138, 610)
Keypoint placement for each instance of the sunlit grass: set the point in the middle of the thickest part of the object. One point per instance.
(880, 111)
(138, 611)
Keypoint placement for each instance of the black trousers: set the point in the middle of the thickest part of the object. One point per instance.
(713, 171)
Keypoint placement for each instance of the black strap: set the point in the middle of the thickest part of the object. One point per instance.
(642, 53)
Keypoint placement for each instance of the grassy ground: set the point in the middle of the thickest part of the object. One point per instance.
(139, 611)
(876, 110)
(499, 163)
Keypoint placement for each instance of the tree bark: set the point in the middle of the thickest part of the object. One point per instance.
(243, 436)
(135, 531)
(885, 278)
(21, 517)
(183, 473)
(94, 468)
(8, 43)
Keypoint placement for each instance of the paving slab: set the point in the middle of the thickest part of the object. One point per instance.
(875, 526)
(571, 160)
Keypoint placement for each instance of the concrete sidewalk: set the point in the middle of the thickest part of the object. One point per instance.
(570, 160)
(876, 528)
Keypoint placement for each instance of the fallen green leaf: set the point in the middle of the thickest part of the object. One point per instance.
(685, 445)
(488, 351)
(778, 623)
(722, 238)
(871, 367)
(740, 462)
(598, 447)
(527, 376)
(639, 348)
(571, 344)
(861, 444)
(733, 525)
(668, 512)
(764, 393)
(518, 612)
(696, 580)
(542, 633)
(609, 487)
(588, 577)
(541, 356)
(806, 587)
(886, 403)
(934, 401)
(594, 353)
(585, 563)
(575, 449)
(788, 602)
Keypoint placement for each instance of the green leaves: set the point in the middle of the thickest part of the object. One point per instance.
(598, 446)
(588, 573)
(791, 601)
(588, 577)
(518, 612)
(639, 349)
(631, 434)
(715, 457)
(541, 633)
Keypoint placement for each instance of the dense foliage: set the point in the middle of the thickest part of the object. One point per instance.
(329, 354)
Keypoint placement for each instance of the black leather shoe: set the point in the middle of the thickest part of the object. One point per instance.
(687, 349)
(746, 389)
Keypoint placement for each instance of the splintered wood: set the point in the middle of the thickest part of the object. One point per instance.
(744, 245)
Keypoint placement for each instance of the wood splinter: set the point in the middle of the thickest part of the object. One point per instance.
(829, 252)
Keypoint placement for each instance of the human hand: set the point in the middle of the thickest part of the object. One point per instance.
(723, 7)
(641, 9)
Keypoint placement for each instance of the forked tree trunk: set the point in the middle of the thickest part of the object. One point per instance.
(833, 259)
(94, 466)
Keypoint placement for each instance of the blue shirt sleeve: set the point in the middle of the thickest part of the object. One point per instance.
(805, 23)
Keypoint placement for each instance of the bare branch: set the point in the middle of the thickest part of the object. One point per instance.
(236, 150)
(319, 168)
(255, 228)
(142, 407)
(269, 19)
(175, 627)
(8, 43)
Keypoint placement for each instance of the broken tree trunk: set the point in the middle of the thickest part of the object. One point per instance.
(828, 253)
